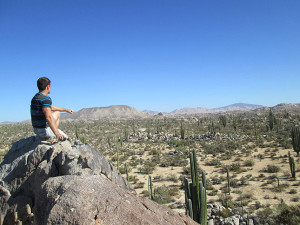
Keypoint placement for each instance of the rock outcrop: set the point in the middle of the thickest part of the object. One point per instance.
(71, 183)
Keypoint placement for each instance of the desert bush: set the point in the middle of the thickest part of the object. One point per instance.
(226, 201)
(272, 169)
(225, 213)
(288, 215)
(147, 168)
(234, 183)
(244, 180)
(217, 180)
(213, 162)
(293, 191)
(139, 185)
(234, 167)
(173, 160)
(172, 178)
(249, 163)
(265, 216)
(164, 194)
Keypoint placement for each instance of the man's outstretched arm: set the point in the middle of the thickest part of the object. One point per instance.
(55, 108)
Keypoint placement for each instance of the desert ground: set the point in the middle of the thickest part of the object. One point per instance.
(253, 146)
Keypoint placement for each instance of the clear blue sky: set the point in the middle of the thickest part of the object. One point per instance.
(159, 55)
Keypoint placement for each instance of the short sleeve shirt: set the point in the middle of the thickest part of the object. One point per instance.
(38, 102)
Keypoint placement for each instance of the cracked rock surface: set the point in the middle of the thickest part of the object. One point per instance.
(71, 183)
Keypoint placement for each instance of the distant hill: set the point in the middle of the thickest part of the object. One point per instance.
(110, 112)
(7, 122)
(283, 107)
(128, 112)
(201, 110)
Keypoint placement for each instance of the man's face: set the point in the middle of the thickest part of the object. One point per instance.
(49, 88)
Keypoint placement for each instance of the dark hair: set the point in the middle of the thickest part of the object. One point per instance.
(42, 83)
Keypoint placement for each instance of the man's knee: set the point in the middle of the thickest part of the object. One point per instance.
(56, 115)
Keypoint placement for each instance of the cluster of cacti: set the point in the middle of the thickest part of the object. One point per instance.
(295, 133)
(150, 188)
(223, 120)
(195, 193)
(292, 165)
(212, 129)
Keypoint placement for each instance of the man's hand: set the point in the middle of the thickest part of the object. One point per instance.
(60, 137)
(69, 111)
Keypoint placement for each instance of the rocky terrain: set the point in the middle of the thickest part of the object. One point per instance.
(71, 183)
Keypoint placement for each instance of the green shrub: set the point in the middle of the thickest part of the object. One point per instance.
(272, 169)
(164, 194)
(213, 162)
(288, 215)
(249, 163)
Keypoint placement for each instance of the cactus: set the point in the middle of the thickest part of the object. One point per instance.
(188, 196)
(295, 133)
(83, 140)
(292, 166)
(212, 129)
(121, 141)
(195, 193)
(150, 188)
(76, 132)
(190, 208)
(182, 130)
(271, 120)
(234, 123)
(117, 158)
(126, 170)
(223, 120)
(109, 142)
(228, 180)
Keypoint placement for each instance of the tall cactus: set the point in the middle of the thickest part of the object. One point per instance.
(182, 130)
(271, 119)
(295, 133)
(292, 166)
(228, 180)
(118, 159)
(195, 193)
(126, 171)
(150, 188)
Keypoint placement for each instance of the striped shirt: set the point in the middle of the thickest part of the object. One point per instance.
(38, 102)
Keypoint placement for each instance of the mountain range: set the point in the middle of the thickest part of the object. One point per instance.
(125, 111)
(128, 112)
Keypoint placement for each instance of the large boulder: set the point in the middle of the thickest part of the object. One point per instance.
(71, 183)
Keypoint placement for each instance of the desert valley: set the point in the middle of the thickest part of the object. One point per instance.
(244, 151)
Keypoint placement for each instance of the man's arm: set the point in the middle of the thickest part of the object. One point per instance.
(48, 114)
(55, 108)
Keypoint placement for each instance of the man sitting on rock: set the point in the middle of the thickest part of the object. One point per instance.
(44, 116)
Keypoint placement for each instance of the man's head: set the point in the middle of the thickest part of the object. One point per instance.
(42, 83)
